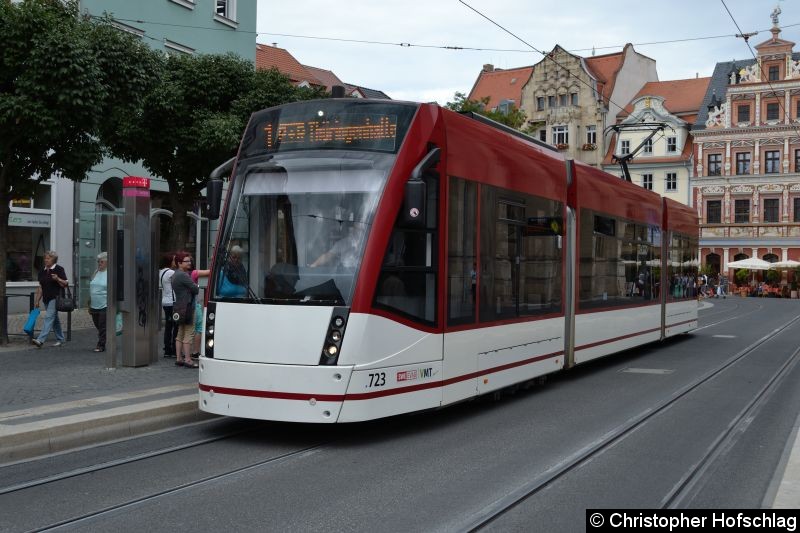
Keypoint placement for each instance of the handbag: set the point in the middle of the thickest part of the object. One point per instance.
(184, 315)
(227, 288)
(30, 324)
(64, 302)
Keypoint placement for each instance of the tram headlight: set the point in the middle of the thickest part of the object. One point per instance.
(211, 314)
(332, 344)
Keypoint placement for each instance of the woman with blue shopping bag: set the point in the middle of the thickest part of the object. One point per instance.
(52, 280)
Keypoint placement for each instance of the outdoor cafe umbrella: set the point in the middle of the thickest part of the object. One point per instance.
(751, 263)
(785, 265)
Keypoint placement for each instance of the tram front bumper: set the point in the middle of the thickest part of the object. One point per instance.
(288, 393)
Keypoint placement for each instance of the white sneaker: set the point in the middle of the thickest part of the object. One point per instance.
(57, 343)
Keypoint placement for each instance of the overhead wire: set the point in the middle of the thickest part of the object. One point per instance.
(403, 44)
(765, 77)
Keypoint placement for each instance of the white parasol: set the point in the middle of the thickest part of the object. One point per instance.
(751, 263)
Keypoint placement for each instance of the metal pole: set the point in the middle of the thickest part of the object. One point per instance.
(111, 294)
(155, 302)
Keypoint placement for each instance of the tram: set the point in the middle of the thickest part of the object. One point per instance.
(393, 257)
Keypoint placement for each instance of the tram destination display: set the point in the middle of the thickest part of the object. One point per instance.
(330, 125)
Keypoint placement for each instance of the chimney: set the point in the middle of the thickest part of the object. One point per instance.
(488, 67)
(337, 91)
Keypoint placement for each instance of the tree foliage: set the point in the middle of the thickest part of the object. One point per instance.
(65, 80)
(514, 118)
(193, 120)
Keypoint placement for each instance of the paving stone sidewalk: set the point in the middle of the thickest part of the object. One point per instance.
(31, 376)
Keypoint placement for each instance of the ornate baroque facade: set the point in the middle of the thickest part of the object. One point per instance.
(747, 158)
(570, 100)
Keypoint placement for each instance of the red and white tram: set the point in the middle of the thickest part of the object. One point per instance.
(400, 257)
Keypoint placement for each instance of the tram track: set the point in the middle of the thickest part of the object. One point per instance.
(691, 481)
(758, 308)
(90, 469)
(85, 517)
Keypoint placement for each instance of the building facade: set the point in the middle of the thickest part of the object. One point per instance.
(664, 163)
(747, 158)
(571, 100)
(64, 216)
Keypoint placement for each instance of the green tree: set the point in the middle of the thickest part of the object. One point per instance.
(194, 119)
(64, 82)
(514, 118)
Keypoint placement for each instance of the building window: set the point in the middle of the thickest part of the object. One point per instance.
(226, 8)
(672, 182)
(797, 110)
(774, 72)
(714, 211)
(772, 111)
(648, 147)
(591, 134)
(797, 209)
(624, 147)
(560, 135)
(797, 160)
(543, 135)
(714, 164)
(772, 160)
(743, 113)
(562, 100)
(672, 145)
(551, 101)
(574, 98)
(540, 103)
(770, 209)
(743, 163)
(741, 211)
(647, 181)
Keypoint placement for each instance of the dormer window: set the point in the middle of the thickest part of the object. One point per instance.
(774, 73)
(672, 145)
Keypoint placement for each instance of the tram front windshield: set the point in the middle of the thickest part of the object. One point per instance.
(296, 226)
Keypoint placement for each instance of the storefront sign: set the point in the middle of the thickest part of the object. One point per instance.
(29, 220)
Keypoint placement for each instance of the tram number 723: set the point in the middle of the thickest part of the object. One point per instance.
(377, 380)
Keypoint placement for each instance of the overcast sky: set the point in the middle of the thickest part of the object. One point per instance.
(420, 73)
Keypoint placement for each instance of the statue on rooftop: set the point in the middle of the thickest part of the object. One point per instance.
(774, 15)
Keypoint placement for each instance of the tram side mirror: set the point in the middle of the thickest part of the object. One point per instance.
(214, 187)
(214, 198)
(416, 192)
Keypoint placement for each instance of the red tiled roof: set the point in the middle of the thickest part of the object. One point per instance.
(327, 77)
(681, 97)
(501, 85)
(605, 68)
(271, 56)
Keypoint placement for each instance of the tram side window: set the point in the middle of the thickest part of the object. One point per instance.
(682, 267)
(619, 262)
(520, 270)
(407, 282)
(462, 266)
